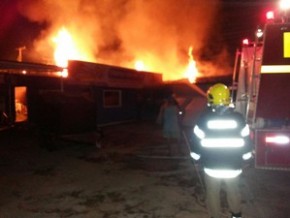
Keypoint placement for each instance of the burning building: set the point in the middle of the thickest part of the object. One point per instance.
(100, 54)
(95, 94)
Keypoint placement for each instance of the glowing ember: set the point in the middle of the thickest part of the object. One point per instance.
(63, 73)
(191, 71)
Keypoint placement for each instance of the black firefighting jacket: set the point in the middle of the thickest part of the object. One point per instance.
(221, 138)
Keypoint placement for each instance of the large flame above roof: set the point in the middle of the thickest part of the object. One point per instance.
(151, 35)
(67, 49)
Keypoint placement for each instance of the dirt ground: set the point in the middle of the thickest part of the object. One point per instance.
(130, 176)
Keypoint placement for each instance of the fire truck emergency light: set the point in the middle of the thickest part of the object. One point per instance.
(259, 33)
(245, 41)
(270, 15)
(285, 4)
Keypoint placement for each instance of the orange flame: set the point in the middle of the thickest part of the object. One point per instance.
(191, 71)
(139, 65)
(67, 48)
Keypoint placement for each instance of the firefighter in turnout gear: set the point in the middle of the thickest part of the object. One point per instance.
(222, 145)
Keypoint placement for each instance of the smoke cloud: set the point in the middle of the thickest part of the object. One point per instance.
(119, 32)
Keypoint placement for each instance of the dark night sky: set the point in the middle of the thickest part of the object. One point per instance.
(237, 19)
(242, 17)
(15, 30)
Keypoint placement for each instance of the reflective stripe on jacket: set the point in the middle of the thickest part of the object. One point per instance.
(222, 140)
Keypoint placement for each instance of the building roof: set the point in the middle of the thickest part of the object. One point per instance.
(27, 68)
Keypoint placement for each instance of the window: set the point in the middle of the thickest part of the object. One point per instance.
(112, 98)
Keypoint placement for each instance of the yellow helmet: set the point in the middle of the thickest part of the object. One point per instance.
(219, 94)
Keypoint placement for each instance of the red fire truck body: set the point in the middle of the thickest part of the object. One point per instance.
(263, 94)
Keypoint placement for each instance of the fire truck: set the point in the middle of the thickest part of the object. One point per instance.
(262, 91)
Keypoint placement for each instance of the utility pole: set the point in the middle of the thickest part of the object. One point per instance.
(20, 51)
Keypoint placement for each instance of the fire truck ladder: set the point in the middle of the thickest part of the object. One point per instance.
(246, 79)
